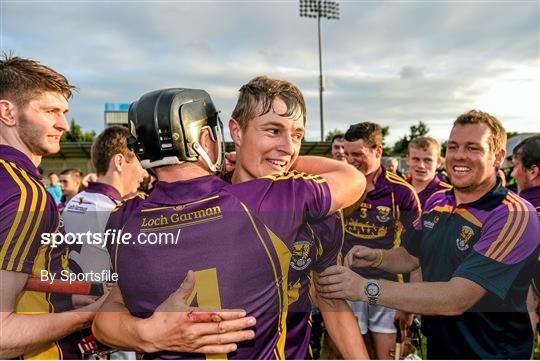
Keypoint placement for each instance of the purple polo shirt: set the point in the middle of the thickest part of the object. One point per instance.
(237, 239)
(388, 215)
(436, 185)
(28, 211)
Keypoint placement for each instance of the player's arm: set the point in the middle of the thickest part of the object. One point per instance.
(346, 183)
(24, 333)
(172, 327)
(427, 298)
(395, 260)
(342, 326)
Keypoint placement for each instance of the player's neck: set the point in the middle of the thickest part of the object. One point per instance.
(16, 143)
(179, 172)
(372, 177)
(114, 181)
(474, 193)
(419, 186)
(240, 175)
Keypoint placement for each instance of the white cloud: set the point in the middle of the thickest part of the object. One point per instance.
(391, 62)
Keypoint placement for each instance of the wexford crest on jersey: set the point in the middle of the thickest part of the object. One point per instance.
(300, 255)
(465, 236)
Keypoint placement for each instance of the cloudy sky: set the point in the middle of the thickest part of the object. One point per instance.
(393, 62)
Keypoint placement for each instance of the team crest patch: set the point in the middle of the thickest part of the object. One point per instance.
(300, 255)
(383, 214)
(465, 236)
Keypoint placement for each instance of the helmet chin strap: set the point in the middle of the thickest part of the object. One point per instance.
(218, 139)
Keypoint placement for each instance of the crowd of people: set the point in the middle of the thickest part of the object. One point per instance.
(267, 245)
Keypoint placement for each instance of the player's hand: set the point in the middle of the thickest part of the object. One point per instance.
(340, 282)
(403, 320)
(176, 327)
(230, 161)
(360, 256)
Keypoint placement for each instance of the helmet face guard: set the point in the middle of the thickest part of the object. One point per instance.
(166, 126)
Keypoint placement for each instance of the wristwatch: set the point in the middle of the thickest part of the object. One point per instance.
(372, 291)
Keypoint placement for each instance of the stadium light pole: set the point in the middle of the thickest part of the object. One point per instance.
(320, 9)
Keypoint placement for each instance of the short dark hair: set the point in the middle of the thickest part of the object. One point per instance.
(23, 79)
(497, 140)
(528, 151)
(111, 141)
(370, 133)
(257, 97)
(337, 136)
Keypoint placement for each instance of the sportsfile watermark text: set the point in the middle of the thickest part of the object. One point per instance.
(110, 237)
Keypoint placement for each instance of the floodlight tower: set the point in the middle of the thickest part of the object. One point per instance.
(320, 9)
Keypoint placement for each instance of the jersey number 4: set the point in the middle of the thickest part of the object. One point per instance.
(206, 295)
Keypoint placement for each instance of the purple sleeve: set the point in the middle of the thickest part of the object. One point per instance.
(510, 233)
(330, 235)
(293, 192)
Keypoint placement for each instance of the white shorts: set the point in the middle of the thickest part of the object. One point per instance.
(373, 318)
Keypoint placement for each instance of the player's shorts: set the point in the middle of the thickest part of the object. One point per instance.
(373, 318)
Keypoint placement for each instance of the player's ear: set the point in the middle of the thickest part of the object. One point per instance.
(7, 113)
(116, 162)
(499, 158)
(439, 162)
(236, 132)
(208, 144)
(379, 150)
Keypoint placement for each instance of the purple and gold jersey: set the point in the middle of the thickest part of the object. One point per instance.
(237, 240)
(436, 185)
(28, 211)
(493, 242)
(533, 196)
(389, 214)
(317, 247)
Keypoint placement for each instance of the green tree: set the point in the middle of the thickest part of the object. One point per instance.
(402, 145)
(76, 134)
(511, 134)
(331, 134)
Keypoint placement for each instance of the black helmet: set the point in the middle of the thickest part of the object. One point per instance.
(166, 125)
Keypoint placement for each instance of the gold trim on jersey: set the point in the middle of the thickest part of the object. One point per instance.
(314, 177)
(17, 221)
(506, 242)
(37, 223)
(398, 180)
(284, 257)
(179, 207)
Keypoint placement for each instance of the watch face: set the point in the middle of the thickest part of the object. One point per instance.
(372, 289)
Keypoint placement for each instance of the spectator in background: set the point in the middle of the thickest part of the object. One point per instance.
(70, 180)
(54, 188)
(338, 147)
(423, 158)
(392, 166)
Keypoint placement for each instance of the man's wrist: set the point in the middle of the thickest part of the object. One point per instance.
(378, 261)
(144, 340)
